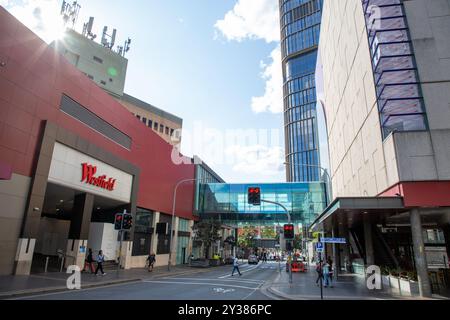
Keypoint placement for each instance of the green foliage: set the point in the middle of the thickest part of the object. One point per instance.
(208, 232)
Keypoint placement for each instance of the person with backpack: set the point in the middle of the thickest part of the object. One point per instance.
(100, 261)
(151, 261)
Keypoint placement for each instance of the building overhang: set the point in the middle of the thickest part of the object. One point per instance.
(350, 212)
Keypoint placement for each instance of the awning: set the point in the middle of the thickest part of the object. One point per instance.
(351, 210)
(5, 171)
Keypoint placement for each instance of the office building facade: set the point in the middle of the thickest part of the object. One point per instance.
(386, 80)
(300, 29)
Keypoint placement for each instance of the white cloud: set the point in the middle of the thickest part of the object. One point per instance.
(258, 19)
(251, 19)
(258, 160)
(272, 100)
(41, 16)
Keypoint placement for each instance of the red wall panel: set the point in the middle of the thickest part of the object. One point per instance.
(31, 85)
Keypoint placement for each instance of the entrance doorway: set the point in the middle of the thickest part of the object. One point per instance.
(60, 211)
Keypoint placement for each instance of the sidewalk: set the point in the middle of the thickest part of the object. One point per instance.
(13, 286)
(304, 287)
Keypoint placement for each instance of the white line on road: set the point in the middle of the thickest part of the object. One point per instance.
(244, 271)
(249, 281)
(203, 284)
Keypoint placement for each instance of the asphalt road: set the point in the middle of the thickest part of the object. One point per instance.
(214, 284)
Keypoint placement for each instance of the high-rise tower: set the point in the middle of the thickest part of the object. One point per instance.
(300, 29)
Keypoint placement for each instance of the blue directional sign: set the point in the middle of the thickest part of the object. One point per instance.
(319, 246)
(334, 240)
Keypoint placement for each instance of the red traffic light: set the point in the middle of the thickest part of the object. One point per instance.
(288, 231)
(254, 196)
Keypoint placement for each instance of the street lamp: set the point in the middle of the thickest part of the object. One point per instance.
(173, 214)
(329, 189)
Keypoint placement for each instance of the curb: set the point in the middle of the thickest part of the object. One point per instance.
(30, 292)
(24, 293)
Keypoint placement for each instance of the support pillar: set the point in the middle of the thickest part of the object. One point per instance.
(125, 255)
(336, 256)
(79, 230)
(345, 256)
(175, 241)
(419, 254)
(368, 240)
(24, 256)
(154, 247)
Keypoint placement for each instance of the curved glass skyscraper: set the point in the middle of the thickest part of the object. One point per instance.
(300, 29)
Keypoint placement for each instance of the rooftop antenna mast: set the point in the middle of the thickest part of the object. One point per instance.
(122, 50)
(105, 42)
(87, 29)
(70, 12)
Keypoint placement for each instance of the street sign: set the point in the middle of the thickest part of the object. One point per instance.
(319, 247)
(334, 240)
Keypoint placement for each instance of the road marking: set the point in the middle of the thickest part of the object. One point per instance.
(249, 281)
(203, 284)
(222, 290)
(244, 271)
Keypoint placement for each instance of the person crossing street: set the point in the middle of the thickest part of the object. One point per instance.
(236, 267)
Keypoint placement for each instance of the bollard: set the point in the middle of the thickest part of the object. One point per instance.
(46, 264)
(62, 265)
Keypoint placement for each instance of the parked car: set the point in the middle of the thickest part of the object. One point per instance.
(252, 259)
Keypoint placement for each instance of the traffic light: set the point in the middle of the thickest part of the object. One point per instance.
(127, 221)
(118, 221)
(254, 196)
(289, 231)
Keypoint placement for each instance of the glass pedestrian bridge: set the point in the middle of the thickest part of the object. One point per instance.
(229, 203)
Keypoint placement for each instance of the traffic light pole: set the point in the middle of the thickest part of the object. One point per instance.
(121, 239)
(290, 251)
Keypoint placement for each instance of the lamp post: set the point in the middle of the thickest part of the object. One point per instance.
(173, 214)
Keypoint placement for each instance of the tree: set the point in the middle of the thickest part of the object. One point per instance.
(268, 233)
(246, 236)
(208, 232)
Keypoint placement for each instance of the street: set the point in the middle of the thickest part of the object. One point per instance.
(214, 284)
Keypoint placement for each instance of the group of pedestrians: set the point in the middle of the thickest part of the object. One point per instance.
(89, 263)
(325, 273)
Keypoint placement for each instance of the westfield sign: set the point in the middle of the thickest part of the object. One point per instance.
(88, 176)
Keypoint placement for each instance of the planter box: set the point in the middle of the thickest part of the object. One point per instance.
(402, 286)
(204, 263)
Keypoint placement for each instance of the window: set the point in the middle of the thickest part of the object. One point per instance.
(90, 77)
(171, 132)
(144, 120)
(138, 116)
(161, 128)
(150, 123)
(103, 83)
(97, 59)
(155, 126)
(167, 130)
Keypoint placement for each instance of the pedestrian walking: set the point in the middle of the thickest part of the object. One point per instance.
(151, 260)
(89, 262)
(236, 267)
(100, 261)
(326, 274)
(330, 262)
(319, 272)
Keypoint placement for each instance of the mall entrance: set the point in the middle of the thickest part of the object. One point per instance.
(64, 212)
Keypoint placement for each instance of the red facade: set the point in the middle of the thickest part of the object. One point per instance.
(33, 77)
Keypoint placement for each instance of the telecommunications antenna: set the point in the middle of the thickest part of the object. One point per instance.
(70, 12)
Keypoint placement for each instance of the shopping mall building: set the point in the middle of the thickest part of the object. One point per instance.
(71, 157)
(384, 78)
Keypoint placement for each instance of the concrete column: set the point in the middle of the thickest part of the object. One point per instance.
(446, 231)
(191, 238)
(81, 216)
(24, 256)
(154, 235)
(345, 255)
(370, 258)
(336, 258)
(419, 254)
(125, 255)
(76, 253)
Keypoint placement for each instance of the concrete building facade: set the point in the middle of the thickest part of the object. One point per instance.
(386, 81)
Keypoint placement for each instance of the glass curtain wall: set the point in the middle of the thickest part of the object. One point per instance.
(300, 30)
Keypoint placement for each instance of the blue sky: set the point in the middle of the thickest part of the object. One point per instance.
(214, 63)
